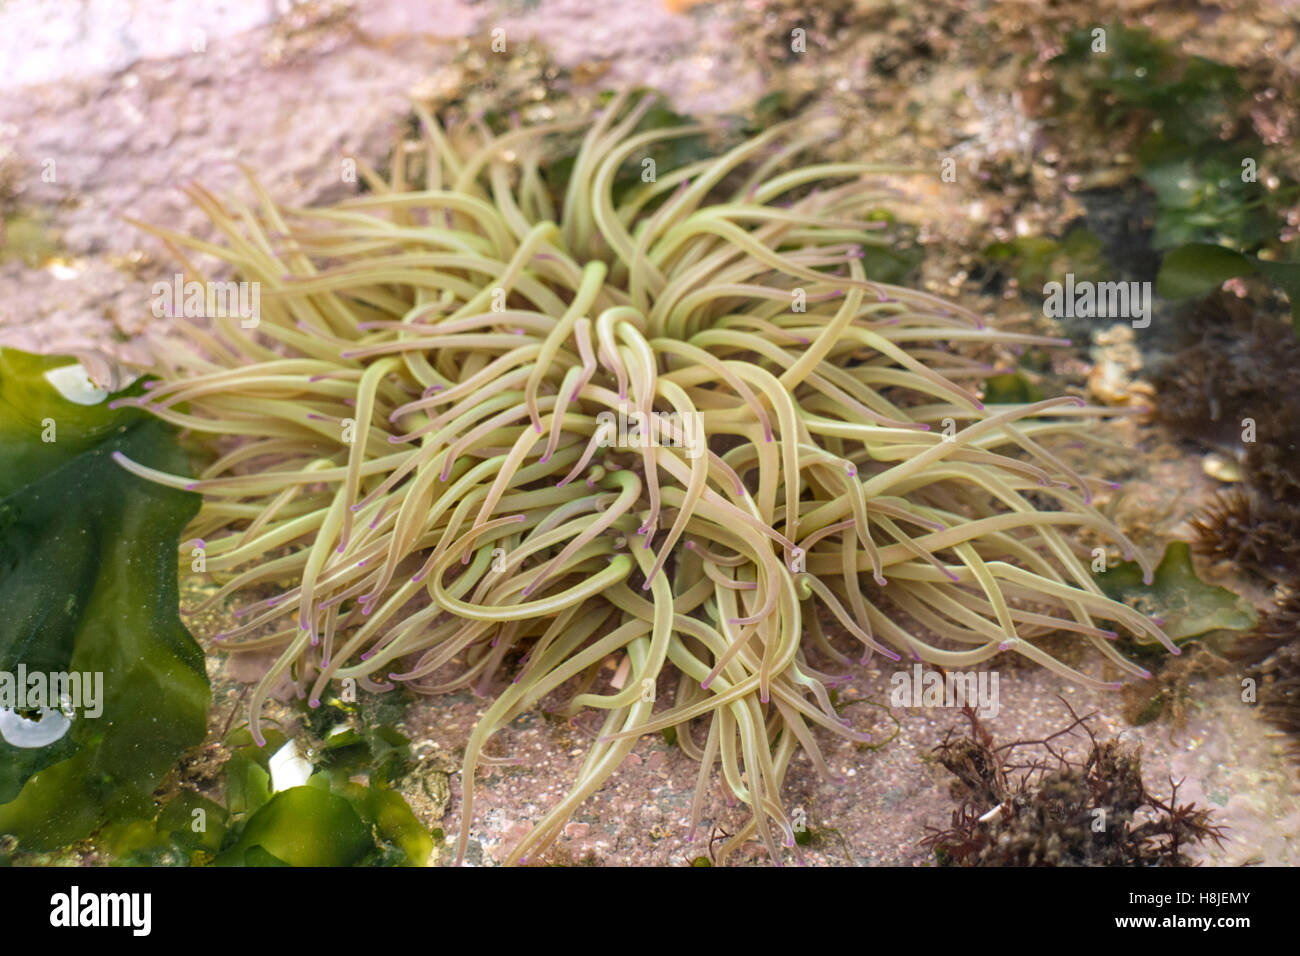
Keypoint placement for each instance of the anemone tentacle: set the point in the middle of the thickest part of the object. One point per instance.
(758, 425)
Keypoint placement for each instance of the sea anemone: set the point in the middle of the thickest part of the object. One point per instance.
(491, 432)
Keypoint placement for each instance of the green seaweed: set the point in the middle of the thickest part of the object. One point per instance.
(331, 820)
(1184, 99)
(1203, 198)
(1011, 388)
(320, 832)
(1033, 260)
(88, 583)
(1199, 268)
(188, 832)
(353, 738)
(1219, 200)
(301, 826)
(1190, 607)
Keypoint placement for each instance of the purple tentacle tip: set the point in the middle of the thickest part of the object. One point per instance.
(314, 703)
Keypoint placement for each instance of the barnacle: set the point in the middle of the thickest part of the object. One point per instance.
(488, 435)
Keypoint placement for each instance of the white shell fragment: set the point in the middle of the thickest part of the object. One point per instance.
(72, 382)
(18, 731)
(1221, 467)
(289, 768)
